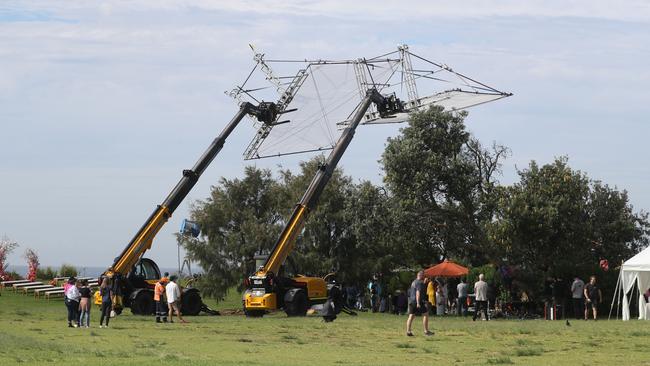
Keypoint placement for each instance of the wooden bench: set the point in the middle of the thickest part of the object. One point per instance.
(16, 286)
(54, 293)
(28, 289)
(41, 291)
(4, 284)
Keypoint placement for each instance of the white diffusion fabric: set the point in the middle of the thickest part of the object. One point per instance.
(329, 92)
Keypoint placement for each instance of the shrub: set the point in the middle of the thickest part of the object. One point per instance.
(68, 270)
(13, 275)
(45, 274)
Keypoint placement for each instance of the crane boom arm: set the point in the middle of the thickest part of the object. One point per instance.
(141, 242)
(309, 200)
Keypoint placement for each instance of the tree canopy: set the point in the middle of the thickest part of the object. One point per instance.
(441, 199)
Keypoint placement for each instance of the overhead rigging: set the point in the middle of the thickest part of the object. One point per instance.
(322, 96)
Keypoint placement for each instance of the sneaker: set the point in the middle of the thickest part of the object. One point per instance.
(428, 333)
(409, 334)
(70, 325)
(76, 326)
(101, 326)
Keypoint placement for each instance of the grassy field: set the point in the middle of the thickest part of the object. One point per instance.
(34, 332)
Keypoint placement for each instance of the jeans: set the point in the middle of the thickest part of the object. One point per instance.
(73, 310)
(461, 309)
(85, 315)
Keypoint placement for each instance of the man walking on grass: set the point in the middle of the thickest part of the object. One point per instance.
(173, 293)
(481, 290)
(417, 306)
(593, 297)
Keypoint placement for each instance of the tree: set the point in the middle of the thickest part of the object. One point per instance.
(32, 263)
(241, 217)
(6, 247)
(347, 232)
(441, 179)
(556, 223)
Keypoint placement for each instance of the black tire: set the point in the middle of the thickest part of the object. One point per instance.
(298, 305)
(254, 313)
(143, 303)
(191, 303)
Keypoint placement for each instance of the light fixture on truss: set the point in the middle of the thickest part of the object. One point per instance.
(323, 94)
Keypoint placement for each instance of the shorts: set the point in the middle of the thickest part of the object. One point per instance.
(591, 304)
(175, 306)
(415, 310)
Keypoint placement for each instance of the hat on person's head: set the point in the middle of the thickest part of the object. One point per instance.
(173, 278)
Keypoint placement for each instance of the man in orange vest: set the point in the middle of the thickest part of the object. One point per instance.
(158, 297)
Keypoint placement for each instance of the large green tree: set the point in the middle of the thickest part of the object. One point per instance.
(240, 218)
(555, 222)
(244, 217)
(441, 180)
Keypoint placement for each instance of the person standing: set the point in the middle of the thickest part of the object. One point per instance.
(480, 291)
(106, 293)
(84, 305)
(159, 298)
(72, 296)
(577, 294)
(173, 293)
(593, 297)
(431, 296)
(417, 298)
(462, 298)
(441, 297)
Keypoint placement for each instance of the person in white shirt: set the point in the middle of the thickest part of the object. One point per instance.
(480, 290)
(577, 289)
(462, 298)
(173, 293)
(72, 296)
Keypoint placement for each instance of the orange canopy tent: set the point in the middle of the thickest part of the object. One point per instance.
(446, 269)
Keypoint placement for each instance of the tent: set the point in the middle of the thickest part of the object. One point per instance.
(634, 271)
(446, 269)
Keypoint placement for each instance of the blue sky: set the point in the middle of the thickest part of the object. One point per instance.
(102, 104)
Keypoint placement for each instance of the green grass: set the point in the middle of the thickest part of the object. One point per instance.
(34, 332)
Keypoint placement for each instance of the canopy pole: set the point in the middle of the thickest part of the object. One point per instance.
(611, 307)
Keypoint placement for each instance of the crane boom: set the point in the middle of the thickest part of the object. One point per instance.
(310, 198)
(268, 292)
(141, 242)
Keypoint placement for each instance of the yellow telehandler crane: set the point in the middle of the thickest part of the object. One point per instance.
(133, 276)
(266, 290)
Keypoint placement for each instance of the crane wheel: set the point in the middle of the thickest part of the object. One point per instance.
(191, 303)
(295, 303)
(143, 303)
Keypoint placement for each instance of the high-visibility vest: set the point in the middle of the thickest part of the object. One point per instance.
(158, 291)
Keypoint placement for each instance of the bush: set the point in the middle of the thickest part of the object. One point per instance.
(45, 274)
(13, 275)
(68, 270)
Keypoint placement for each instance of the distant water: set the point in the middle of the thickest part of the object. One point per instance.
(83, 271)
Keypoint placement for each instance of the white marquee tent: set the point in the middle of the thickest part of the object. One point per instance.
(635, 271)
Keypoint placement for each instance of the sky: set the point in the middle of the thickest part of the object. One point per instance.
(104, 103)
